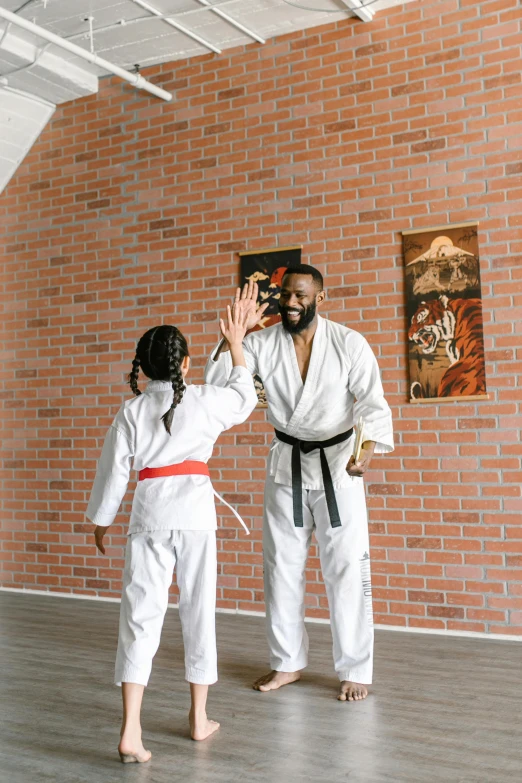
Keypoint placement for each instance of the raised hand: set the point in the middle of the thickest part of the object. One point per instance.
(234, 325)
(246, 301)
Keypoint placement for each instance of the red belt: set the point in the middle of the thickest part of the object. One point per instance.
(188, 468)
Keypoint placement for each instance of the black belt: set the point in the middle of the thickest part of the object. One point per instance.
(306, 446)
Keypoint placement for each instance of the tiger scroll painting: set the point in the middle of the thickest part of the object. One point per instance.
(266, 268)
(444, 310)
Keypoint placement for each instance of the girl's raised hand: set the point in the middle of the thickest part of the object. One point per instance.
(234, 326)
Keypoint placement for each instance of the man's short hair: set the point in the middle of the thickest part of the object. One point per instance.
(306, 269)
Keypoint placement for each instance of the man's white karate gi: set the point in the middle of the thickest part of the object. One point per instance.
(342, 384)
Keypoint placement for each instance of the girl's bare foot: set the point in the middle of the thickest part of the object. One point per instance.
(131, 749)
(274, 680)
(200, 726)
(352, 691)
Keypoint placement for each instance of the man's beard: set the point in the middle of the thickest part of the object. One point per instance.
(307, 316)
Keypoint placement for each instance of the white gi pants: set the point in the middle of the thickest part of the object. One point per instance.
(149, 565)
(345, 563)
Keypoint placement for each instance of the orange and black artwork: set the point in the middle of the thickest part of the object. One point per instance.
(444, 309)
(266, 268)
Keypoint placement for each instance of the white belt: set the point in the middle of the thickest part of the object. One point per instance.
(233, 510)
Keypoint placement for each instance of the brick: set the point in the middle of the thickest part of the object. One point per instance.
(231, 247)
(425, 596)
(343, 292)
(234, 92)
(429, 146)
(477, 424)
(339, 127)
(356, 87)
(411, 136)
(172, 233)
(375, 48)
(255, 176)
(156, 225)
(205, 316)
(220, 127)
(385, 489)
(81, 157)
(97, 348)
(446, 611)
(48, 413)
(37, 323)
(424, 543)
(375, 215)
(43, 185)
(514, 168)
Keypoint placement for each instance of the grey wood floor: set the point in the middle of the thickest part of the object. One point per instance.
(442, 708)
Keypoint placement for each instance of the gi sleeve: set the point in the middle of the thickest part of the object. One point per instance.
(217, 371)
(364, 382)
(112, 475)
(233, 403)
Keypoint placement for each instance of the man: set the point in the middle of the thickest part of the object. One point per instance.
(319, 377)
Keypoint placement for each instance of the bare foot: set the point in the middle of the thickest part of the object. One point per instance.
(201, 727)
(131, 749)
(352, 691)
(275, 680)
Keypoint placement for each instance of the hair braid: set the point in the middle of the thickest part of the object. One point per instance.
(174, 359)
(133, 375)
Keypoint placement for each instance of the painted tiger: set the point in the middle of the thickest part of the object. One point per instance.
(459, 323)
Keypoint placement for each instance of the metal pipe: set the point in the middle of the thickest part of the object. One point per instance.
(135, 79)
(177, 26)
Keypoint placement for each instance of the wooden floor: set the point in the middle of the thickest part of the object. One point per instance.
(442, 708)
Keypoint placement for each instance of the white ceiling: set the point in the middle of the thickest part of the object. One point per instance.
(152, 40)
(35, 75)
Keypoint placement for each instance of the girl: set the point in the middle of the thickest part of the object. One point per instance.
(168, 433)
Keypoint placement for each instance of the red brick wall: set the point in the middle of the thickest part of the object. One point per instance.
(129, 211)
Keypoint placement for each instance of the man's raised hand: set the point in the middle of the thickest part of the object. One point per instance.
(246, 301)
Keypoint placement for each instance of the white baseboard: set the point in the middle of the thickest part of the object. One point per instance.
(497, 637)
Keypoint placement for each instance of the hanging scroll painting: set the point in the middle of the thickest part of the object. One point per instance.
(444, 309)
(266, 268)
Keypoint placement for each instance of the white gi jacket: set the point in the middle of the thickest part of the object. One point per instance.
(138, 436)
(342, 384)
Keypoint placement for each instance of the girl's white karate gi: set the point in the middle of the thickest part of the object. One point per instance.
(173, 520)
(342, 384)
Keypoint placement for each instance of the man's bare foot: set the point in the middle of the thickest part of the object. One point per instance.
(274, 680)
(352, 691)
(201, 727)
(131, 748)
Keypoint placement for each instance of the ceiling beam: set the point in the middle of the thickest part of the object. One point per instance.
(173, 23)
(361, 9)
(230, 19)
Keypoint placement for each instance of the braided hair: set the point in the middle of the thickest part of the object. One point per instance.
(160, 353)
